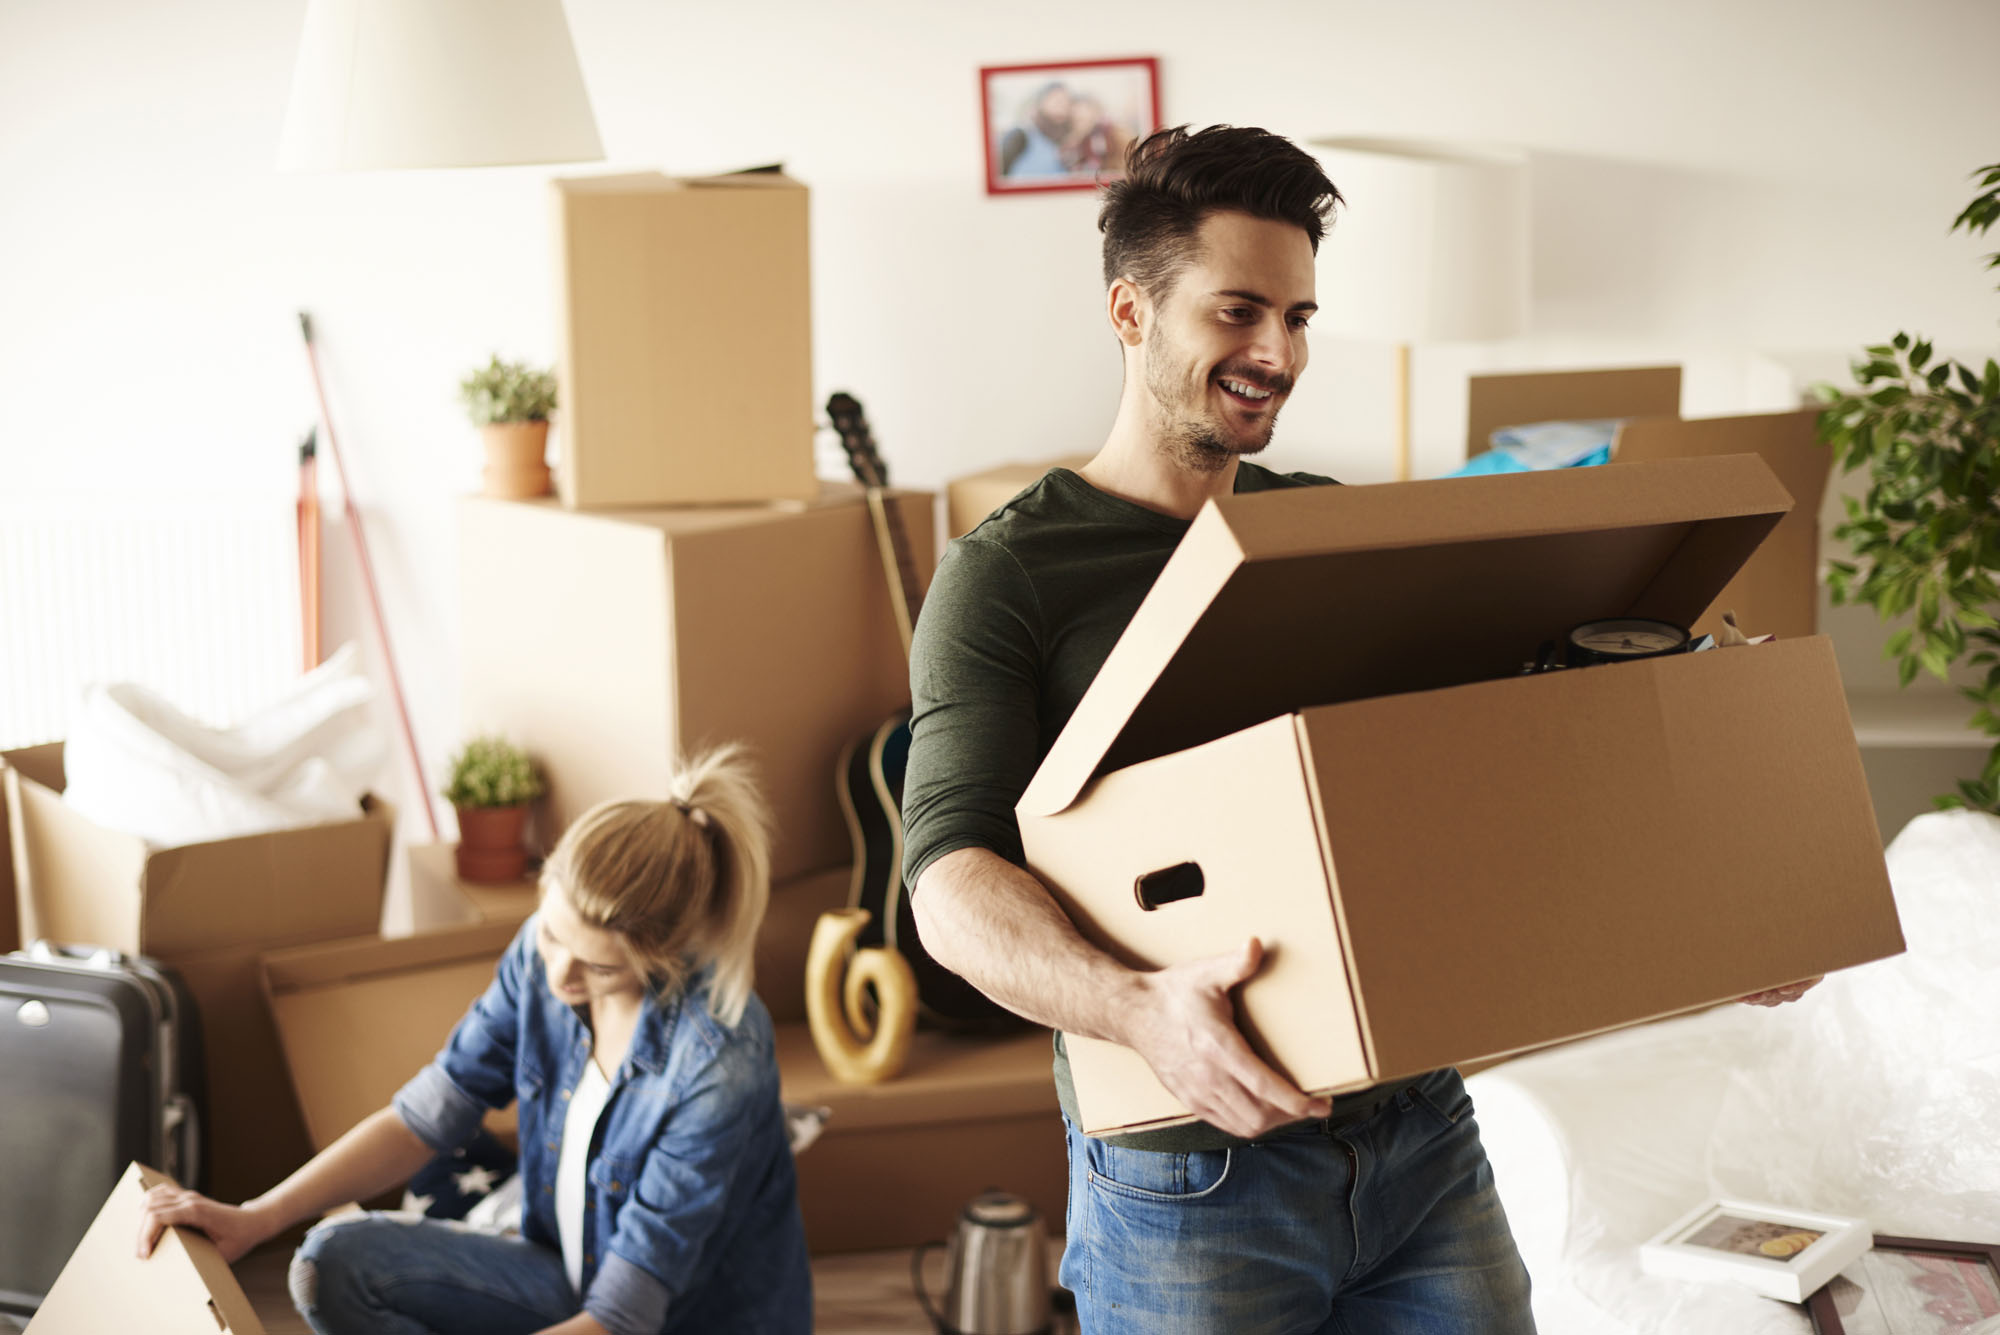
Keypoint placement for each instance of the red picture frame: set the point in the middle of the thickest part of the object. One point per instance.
(1064, 125)
(1931, 1300)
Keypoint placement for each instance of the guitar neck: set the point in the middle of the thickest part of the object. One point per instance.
(905, 591)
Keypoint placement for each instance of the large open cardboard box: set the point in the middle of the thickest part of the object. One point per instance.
(604, 642)
(359, 1018)
(686, 367)
(968, 500)
(1316, 706)
(207, 911)
(183, 1288)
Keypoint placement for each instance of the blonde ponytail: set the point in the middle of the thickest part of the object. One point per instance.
(684, 882)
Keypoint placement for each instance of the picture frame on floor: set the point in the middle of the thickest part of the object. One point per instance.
(1067, 125)
(1770, 1249)
(1911, 1286)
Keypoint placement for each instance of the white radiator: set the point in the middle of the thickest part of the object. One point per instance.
(194, 597)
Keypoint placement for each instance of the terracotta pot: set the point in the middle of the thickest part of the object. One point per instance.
(489, 844)
(516, 466)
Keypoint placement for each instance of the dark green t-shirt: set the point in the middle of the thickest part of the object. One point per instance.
(1021, 615)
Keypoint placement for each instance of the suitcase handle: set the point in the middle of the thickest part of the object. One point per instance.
(44, 951)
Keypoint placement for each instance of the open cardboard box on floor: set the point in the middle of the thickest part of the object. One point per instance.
(359, 1018)
(207, 911)
(1312, 733)
(183, 1288)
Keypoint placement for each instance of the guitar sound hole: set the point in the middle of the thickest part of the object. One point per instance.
(1181, 881)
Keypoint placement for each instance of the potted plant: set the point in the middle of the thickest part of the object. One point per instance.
(492, 783)
(1926, 539)
(510, 403)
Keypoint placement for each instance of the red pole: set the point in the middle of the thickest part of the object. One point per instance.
(368, 581)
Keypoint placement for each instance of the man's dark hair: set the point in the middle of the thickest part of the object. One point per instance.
(1175, 178)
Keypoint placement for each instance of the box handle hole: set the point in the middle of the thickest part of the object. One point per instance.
(1183, 880)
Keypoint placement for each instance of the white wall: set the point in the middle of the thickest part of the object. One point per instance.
(1716, 180)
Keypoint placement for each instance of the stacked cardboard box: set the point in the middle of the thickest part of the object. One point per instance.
(208, 911)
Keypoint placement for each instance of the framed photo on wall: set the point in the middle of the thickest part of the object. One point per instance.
(1065, 126)
(1912, 1286)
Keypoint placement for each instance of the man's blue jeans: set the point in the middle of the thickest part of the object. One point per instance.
(390, 1274)
(1386, 1226)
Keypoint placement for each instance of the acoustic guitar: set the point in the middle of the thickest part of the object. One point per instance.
(869, 778)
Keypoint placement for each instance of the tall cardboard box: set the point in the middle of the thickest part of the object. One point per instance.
(605, 642)
(207, 910)
(1312, 733)
(686, 367)
(970, 499)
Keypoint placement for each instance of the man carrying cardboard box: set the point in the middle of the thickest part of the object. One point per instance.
(1372, 1211)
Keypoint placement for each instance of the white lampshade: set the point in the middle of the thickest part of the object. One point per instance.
(1432, 245)
(385, 84)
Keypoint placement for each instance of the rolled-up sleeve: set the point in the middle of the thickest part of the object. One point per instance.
(698, 1171)
(444, 1103)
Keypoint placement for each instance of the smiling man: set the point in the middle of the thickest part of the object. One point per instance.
(1370, 1213)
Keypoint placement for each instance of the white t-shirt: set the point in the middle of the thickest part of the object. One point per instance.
(586, 1105)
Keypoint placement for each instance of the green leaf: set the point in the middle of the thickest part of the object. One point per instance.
(1901, 341)
(1968, 378)
(1898, 644)
(1906, 671)
(1919, 354)
(1936, 660)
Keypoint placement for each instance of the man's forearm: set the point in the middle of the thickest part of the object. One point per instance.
(998, 927)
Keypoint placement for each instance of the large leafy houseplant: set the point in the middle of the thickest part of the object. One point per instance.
(1926, 538)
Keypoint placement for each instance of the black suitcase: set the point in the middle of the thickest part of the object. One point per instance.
(100, 1063)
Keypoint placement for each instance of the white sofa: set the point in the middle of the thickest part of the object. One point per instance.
(1877, 1095)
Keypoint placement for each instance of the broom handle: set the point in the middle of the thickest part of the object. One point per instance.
(368, 581)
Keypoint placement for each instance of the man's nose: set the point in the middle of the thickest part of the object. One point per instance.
(1273, 347)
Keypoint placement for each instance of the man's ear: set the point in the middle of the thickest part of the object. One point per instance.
(1129, 310)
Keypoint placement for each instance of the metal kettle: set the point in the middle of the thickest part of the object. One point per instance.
(997, 1271)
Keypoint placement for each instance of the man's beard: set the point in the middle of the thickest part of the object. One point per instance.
(1190, 438)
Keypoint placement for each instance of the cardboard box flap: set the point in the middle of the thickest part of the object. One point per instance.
(1275, 601)
(358, 1018)
(183, 1288)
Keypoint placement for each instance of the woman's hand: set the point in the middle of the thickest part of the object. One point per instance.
(234, 1229)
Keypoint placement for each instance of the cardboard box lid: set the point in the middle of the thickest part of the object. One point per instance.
(358, 1018)
(1278, 600)
(183, 1288)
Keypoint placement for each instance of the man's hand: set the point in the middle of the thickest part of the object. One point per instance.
(1778, 996)
(233, 1229)
(1186, 1031)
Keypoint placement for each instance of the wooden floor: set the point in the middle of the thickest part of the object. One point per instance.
(864, 1294)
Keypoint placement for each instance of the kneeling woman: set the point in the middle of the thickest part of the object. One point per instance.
(657, 1184)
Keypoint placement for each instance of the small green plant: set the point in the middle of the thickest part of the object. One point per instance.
(491, 771)
(508, 392)
(1926, 539)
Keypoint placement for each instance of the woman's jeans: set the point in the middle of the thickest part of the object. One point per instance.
(395, 1274)
(1389, 1225)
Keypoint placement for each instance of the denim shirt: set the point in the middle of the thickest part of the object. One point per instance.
(691, 1215)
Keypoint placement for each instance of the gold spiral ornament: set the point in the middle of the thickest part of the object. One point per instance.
(856, 1050)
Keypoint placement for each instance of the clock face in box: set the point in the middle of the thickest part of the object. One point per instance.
(1623, 640)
